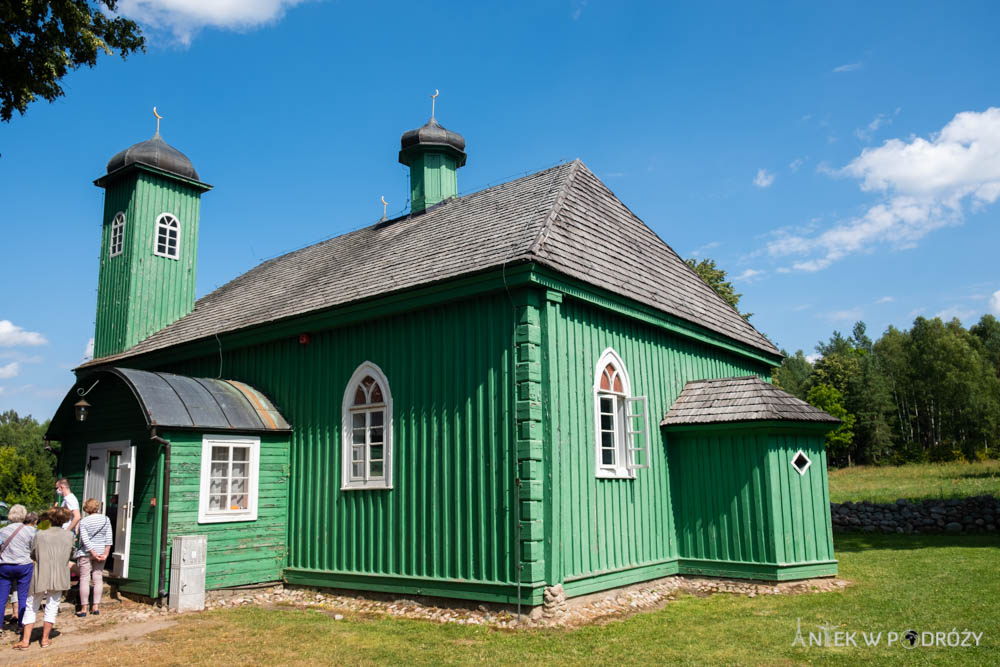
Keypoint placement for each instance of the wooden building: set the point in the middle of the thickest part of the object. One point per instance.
(490, 395)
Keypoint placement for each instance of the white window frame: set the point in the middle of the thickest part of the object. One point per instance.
(629, 425)
(156, 235)
(347, 412)
(804, 468)
(117, 233)
(205, 515)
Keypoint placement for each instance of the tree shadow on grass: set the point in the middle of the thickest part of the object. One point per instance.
(858, 542)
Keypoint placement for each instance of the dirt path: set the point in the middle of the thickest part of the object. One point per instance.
(72, 642)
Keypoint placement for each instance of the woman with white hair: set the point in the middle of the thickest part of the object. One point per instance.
(15, 560)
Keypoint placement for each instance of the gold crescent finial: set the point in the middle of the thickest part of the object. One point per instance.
(436, 93)
(158, 118)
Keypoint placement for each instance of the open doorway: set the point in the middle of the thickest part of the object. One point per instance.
(110, 478)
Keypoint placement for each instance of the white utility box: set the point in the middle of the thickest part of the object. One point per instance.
(187, 573)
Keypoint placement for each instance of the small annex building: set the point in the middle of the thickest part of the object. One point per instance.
(492, 394)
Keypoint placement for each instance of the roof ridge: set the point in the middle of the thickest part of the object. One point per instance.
(557, 205)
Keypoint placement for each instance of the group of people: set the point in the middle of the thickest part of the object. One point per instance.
(36, 558)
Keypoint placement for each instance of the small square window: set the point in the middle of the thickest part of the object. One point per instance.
(229, 479)
(801, 462)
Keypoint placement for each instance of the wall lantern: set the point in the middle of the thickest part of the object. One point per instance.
(82, 410)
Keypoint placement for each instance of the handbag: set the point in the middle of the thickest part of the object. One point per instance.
(9, 539)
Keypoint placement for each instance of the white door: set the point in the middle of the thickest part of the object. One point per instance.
(111, 475)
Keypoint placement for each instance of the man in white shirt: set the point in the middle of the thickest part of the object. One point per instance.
(70, 502)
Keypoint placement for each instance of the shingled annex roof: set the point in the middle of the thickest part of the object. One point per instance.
(563, 218)
(739, 399)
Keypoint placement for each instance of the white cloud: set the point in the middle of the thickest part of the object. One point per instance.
(88, 352)
(886, 299)
(995, 303)
(701, 250)
(851, 314)
(13, 369)
(763, 179)
(952, 312)
(813, 358)
(923, 184)
(849, 67)
(866, 133)
(12, 335)
(749, 275)
(796, 163)
(184, 18)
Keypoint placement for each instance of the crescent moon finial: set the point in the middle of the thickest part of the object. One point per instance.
(434, 99)
(384, 204)
(158, 118)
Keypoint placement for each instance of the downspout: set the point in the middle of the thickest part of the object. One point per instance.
(164, 504)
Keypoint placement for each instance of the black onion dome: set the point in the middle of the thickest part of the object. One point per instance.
(431, 135)
(157, 153)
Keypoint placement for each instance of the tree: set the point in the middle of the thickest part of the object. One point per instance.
(27, 466)
(793, 374)
(40, 40)
(838, 442)
(716, 279)
(988, 333)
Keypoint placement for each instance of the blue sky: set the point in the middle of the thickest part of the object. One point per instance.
(841, 163)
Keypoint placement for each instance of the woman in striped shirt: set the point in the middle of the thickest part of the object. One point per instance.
(92, 554)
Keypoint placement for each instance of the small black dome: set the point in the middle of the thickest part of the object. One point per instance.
(432, 135)
(157, 153)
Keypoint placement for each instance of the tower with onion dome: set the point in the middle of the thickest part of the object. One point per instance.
(434, 155)
(149, 243)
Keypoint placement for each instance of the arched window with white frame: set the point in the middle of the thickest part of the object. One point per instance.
(621, 421)
(117, 234)
(367, 430)
(167, 240)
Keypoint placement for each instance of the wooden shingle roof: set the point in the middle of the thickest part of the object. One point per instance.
(739, 399)
(563, 218)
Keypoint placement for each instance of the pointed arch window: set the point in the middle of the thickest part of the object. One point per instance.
(166, 242)
(117, 234)
(621, 423)
(367, 430)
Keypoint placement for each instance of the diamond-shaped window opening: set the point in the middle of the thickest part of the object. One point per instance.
(801, 462)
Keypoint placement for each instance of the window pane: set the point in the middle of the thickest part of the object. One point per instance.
(238, 486)
(607, 439)
(357, 470)
(359, 436)
(607, 404)
(368, 382)
(376, 469)
(376, 435)
(359, 396)
(219, 469)
(220, 453)
(607, 422)
(218, 485)
(376, 453)
(377, 417)
(358, 420)
(608, 457)
(376, 394)
(618, 384)
(241, 454)
(238, 502)
(239, 470)
(216, 502)
(358, 453)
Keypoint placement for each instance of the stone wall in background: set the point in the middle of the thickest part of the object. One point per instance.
(959, 515)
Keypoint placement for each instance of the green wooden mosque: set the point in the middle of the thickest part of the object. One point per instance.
(492, 394)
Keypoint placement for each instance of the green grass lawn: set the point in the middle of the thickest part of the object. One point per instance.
(886, 484)
(923, 582)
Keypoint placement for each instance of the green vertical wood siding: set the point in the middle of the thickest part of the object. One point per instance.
(742, 510)
(243, 552)
(447, 525)
(433, 178)
(138, 292)
(606, 525)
